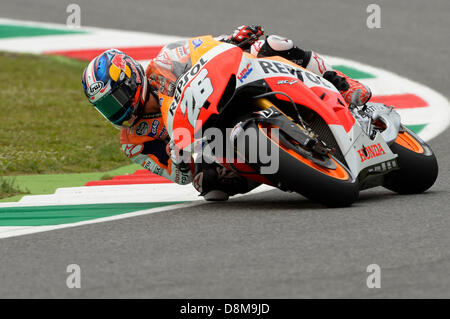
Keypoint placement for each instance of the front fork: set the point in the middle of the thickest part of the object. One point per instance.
(388, 120)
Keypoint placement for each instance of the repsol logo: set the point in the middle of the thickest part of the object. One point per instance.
(186, 78)
(278, 68)
(371, 151)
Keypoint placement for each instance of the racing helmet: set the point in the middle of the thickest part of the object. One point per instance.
(117, 87)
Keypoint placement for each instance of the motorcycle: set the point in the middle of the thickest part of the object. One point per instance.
(327, 151)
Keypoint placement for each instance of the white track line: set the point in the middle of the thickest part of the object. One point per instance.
(116, 194)
(14, 231)
(94, 39)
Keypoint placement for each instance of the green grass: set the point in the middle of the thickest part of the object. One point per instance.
(106, 177)
(48, 183)
(9, 188)
(47, 123)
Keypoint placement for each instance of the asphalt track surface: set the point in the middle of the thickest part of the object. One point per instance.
(273, 244)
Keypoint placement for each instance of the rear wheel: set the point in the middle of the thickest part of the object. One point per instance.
(418, 165)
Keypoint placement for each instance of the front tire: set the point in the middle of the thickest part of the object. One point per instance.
(330, 187)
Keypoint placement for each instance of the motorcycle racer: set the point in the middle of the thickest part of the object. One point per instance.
(128, 97)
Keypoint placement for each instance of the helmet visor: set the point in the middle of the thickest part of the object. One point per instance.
(116, 106)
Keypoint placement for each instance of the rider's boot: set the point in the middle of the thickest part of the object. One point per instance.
(354, 92)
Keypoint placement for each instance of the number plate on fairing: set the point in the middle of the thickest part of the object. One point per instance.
(199, 90)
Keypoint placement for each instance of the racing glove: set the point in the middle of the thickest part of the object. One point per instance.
(245, 36)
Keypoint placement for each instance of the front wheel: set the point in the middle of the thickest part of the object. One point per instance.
(417, 162)
(332, 187)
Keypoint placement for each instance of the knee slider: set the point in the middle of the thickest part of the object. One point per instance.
(277, 45)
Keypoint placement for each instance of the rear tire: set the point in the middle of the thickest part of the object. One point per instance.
(418, 165)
